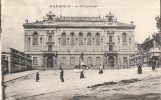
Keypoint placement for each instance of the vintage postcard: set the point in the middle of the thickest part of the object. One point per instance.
(81, 49)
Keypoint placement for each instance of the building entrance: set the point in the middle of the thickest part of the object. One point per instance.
(50, 62)
(111, 61)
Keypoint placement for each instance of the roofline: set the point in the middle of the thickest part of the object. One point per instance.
(64, 26)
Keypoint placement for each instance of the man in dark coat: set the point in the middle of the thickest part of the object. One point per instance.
(153, 64)
(37, 77)
(62, 74)
(139, 68)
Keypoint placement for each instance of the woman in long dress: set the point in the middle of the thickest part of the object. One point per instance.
(139, 68)
(81, 73)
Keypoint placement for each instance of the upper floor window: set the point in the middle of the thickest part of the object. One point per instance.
(101, 40)
(72, 38)
(89, 39)
(118, 40)
(49, 47)
(97, 39)
(110, 38)
(129, 40)
(50, 38)
(81, 38)
(35, 38)
(124, 38)
(63, 39)
(110, 48)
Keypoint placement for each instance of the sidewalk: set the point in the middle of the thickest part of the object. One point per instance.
(13, 76)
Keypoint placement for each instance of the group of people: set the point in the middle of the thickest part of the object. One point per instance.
(80, 69)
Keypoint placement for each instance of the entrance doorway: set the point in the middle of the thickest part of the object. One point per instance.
(111, 61)
(50, 62)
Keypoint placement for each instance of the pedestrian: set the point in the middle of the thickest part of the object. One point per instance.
(100, 69)
(139, 68)
(62, 74)
(153, 64)
(37, 77)
(81, 73)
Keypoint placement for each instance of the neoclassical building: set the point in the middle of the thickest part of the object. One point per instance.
(63, 40)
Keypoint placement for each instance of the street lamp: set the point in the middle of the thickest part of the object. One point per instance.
(117, 60)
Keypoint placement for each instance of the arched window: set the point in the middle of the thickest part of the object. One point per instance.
(124, 38)
(81, 38)
(50, 38)
(110, 38)
(63, 39)
(35, 38)
(97, 39)
(89, 39)
(118, 40)
(72, 38)
(110, 48)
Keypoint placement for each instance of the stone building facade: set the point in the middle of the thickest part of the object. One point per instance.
(13, 61)
(64, 40)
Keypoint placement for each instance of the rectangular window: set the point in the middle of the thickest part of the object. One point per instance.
(64, 60)
(89, 61)
(49, 47)
(35, 61)
(98, 62)
(72, 60)
(110, 38)
(125, 60)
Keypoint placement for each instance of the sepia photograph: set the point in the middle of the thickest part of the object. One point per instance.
(80, 49)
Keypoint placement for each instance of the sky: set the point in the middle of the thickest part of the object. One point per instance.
(15, 12)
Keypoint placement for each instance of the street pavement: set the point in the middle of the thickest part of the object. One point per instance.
(50, 81)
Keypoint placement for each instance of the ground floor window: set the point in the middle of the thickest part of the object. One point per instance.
(72, 60)
(63, 60)
(89, 61)
(35, 61)
(98, 62)
(125, 60)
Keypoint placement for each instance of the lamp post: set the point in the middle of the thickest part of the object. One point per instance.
(142, 55)
(117, 60)
(29, 42)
